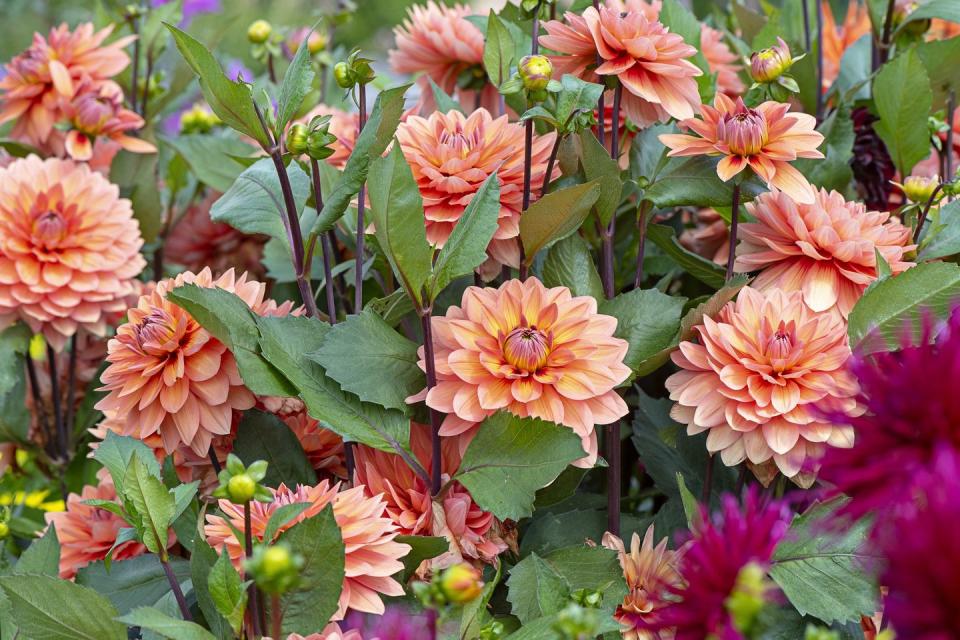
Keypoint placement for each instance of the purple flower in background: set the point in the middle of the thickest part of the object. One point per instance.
(192, 7)
(912, 410)
(396, 623)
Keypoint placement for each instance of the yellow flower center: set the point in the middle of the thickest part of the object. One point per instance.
(745, 132)
(526, 348)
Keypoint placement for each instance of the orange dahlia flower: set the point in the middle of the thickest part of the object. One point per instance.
(87, 533)
(344, 125)
(838, 38)
(372, 554)
(650, 571)
(826, 249)
(755, 377)
(441, 43)
(650, 62)
(722, 61)
(451, 155)
(69, 248)
(471, 531)
(324, 448)
(766, 139)
(169, 376)
(48, 72)
(97, 111)
(532, 351)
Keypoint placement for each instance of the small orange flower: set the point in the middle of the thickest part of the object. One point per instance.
(451, 155)
(169, 376)
(722, 61)
(838, 38)
(372, 554)
(40, 79)
(756, 377)
(766, 139)
(532, 351)
(650, 62)
(826, 249)
(69, 248)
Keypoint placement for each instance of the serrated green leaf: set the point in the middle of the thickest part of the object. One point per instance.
(570, 264)
(134, 582)
(296, 84)
(694, 182)
(210, 158)
(14, 416)
(421, 548)
(942, 238)
(136, 175)
(227, 591)
(940, 59)
(263, 436)
(47, 608)
(152, 506)
(499, 50)
(556, 215)
(536, 589)
(647, 319)
(599, 166)
(706, 271)
(947, 10)
(202, 562)
(42, 557)
(445, 103)
(901, 92)
(160, 623)
(115, 453)
(576, 96)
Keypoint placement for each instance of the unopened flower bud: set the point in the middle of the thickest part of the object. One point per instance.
(577, 623)
(814, 632)
(535, 71)
(259, 31)
(38, 347)
(748, 597)
(316, 43)
(4, 530)
(297, 138)
(461, 583)
(274, 568)
(241, 488)
(918, 189)
(341, 73)
(769, 64)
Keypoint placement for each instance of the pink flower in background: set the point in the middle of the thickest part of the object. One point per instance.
(451, 155)
(722, 61)
(98, 112)
(372, 554)
(69, 248)
(826, 249)
(757, 379)
(532, 351)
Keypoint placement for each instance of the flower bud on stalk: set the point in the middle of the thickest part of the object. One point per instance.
(535, 72)
(274, 568)
(918, 189)
(259, 31)
(4, 530)
(461, 583)
(768, 65)
(240, 484)
(38, 347)
(297, 138)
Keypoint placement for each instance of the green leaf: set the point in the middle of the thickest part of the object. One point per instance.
(263, 436)
(115, 453)
(901, 92)
(153, 506)
(283, 515)
(136, 175)
(821, 571)
(14, 417)
(466, 248)
(134, 582)
(371, 143)
(899, 302)
(855, 70)
(694, 182)
(680, 21)
(943, 237)
(691, 508)
(254, 202)
(555, 216)
(510, 458)
(159, 622)
(311, 604)
(706, 271)
(210, 157)
(421, 548)
(599, 166)
(202, 562)
(297, 81)
(370, 359)
(647, 319)
(229, 319)
(445, 103)
(231, 100)
(712, 305)
(284, 342)
(570, 264)
(940, 58)
(576, 96)
(396, 210)
(47, 608)
(227, 591)
(42, 557)
(499, 50)
(947, 10)
(834, 171)
(536, 589)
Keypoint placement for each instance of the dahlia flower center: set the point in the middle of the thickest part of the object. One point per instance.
(156, 331)
(744, 132)
(526, 348)
(459, 142)
(50, 229)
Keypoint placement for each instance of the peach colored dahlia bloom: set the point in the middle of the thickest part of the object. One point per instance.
(343, 124)
(650, 62)
(826, 249)
(766, 139)
(755, 377)
(169, 376)
(48, 72)
(69, 248)
(97, 111)
(722, 61)
(330, 632)
(452, 154)
(533, 351)
(372, 554)
(471, 531)
(87, 533)
(650, 572)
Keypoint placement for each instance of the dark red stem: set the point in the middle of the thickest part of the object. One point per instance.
(361, 206)
(435, 418)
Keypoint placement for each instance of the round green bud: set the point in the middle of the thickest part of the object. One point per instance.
(241, 488)
(297, 138)
(38, 347)
(277, 560)
(4, 530)
(341, 73)
(259, 31)
(535, 71)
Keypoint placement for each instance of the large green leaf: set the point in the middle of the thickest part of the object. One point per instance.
(900, 301)
(371, 143)
(164, 625)
(311, 604)
(556, 215)
(227, 591)
(647, 319)
(134, 582)
(943, 237)
(901, 92)
(231, 100)
(153, 507)
(42, 557)
(230, 320)
(694, 182)
(599, 166)
(466, 248)
(47, 608)
(296, 84)
(202, 563)
(263, 436)
(834, 171)
(824, 572)
(706, 271)
(396, 209)
(14, 417)
(136, 175)
(576, 96)
(510, 458)
(947, 10)
(370, 359)
(499, 50)
(115, 453)
(536, 589)
(254, 202)
(210, 157)
(570, 264)
(941, 58)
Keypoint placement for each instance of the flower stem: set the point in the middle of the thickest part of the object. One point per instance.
(708, 481)
(71, 392)
(554, 152)
(613, 478)
(819, 83)
(925, 212)
(214, 461)
(607, 273)
(135, 65)
(435, 420)
(275, 615)
(642, 214)
(601, 102)
(60, 427)
(326, 249)
(270, 69)
(734, 224)
(253, 594)
(806, 24)
(146, 85)
(37, 401)
(361, 206)
(884, 52)
(527, 161)
(177, 591)
(948, 145)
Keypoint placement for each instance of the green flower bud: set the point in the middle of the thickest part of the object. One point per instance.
(535, 71)
(297, 138)
(316, 43)
(577, 623)
(748, 597)
(4, 530)
(318, 144)
(341, 73)
(918, 189)
(275, 568)
(461, 583)
(241, 488)
(814, 632)
(259, 31)
(38, 347)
